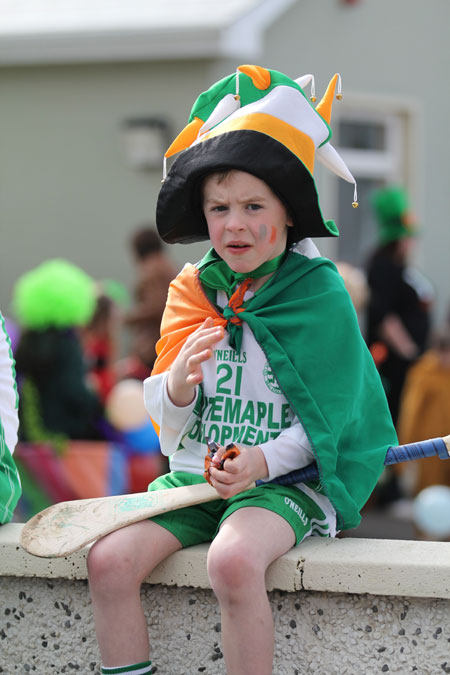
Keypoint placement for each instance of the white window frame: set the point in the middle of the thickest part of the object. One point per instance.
(400, 163)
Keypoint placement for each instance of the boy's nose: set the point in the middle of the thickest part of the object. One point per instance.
(235, 222)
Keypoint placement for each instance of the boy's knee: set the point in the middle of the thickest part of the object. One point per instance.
(232, 569)
(108, 565)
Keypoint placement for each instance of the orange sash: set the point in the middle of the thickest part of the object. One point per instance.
(186, 309)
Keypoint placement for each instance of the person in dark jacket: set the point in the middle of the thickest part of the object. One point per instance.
(398, 312)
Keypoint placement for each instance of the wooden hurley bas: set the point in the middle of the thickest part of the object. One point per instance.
(66, 527)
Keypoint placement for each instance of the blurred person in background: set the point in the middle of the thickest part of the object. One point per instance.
(398, 313)
(10, 489)
(100, 337)
(425, 410)
(154, 272)
(400, 296)
(51, 303)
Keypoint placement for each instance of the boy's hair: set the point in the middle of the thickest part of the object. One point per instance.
(221, 174)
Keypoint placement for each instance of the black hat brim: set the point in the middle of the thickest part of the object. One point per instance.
(179, 213)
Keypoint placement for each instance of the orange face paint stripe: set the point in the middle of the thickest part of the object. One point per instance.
(273, 234)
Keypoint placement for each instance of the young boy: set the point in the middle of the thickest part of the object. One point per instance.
(259, 347)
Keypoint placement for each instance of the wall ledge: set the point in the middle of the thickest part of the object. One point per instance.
(375, 566)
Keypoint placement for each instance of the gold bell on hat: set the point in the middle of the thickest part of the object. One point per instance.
(339, 88)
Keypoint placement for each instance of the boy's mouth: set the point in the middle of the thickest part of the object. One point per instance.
(237, 246)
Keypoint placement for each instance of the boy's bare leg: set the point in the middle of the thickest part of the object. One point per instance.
(248, 541)
(117, 565)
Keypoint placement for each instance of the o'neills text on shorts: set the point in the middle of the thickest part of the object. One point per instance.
(299, 511)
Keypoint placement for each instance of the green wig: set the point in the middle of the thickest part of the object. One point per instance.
(56, 294)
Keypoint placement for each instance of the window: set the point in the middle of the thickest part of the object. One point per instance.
(372, 144)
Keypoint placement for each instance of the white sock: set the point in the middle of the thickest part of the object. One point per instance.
(143, 668)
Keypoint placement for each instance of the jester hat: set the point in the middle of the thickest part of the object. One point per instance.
(259, 121)
(395, 220)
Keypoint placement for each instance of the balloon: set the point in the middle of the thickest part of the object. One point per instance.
(125, 410)
(431, 511)
(125, 405)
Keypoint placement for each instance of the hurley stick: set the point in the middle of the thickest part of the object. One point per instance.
(66, 527)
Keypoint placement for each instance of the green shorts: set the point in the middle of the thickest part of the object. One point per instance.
(198, 524)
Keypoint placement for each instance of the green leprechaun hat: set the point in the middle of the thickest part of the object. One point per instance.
(259, 121)
(395, 220)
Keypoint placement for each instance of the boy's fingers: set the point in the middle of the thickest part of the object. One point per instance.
(196, 359)
(206, 325)
(204, 338)
(231, 466)
(200, 351)
(220, 477)
(224, 485)
(226, 475)
(224, 453)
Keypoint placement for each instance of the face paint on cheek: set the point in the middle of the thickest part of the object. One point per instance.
(262, 231)
(273, 234)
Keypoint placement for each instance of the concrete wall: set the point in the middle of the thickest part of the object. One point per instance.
(340, 607)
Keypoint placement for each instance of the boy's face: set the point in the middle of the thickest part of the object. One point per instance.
(247, 223)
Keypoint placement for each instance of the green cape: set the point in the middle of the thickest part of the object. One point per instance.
(305, 323)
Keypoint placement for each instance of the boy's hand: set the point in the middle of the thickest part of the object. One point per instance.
(186, 371)
(231, 451)
(237, 473)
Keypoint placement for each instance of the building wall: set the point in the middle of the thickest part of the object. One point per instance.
(397, 51)
(65, 187)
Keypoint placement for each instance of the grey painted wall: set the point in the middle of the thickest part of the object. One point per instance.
(65, 188)
(395, 49)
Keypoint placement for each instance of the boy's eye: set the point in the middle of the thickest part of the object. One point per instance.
(254, 207)
(219, 208)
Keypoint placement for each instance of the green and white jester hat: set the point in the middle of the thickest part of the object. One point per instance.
(259, 121)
